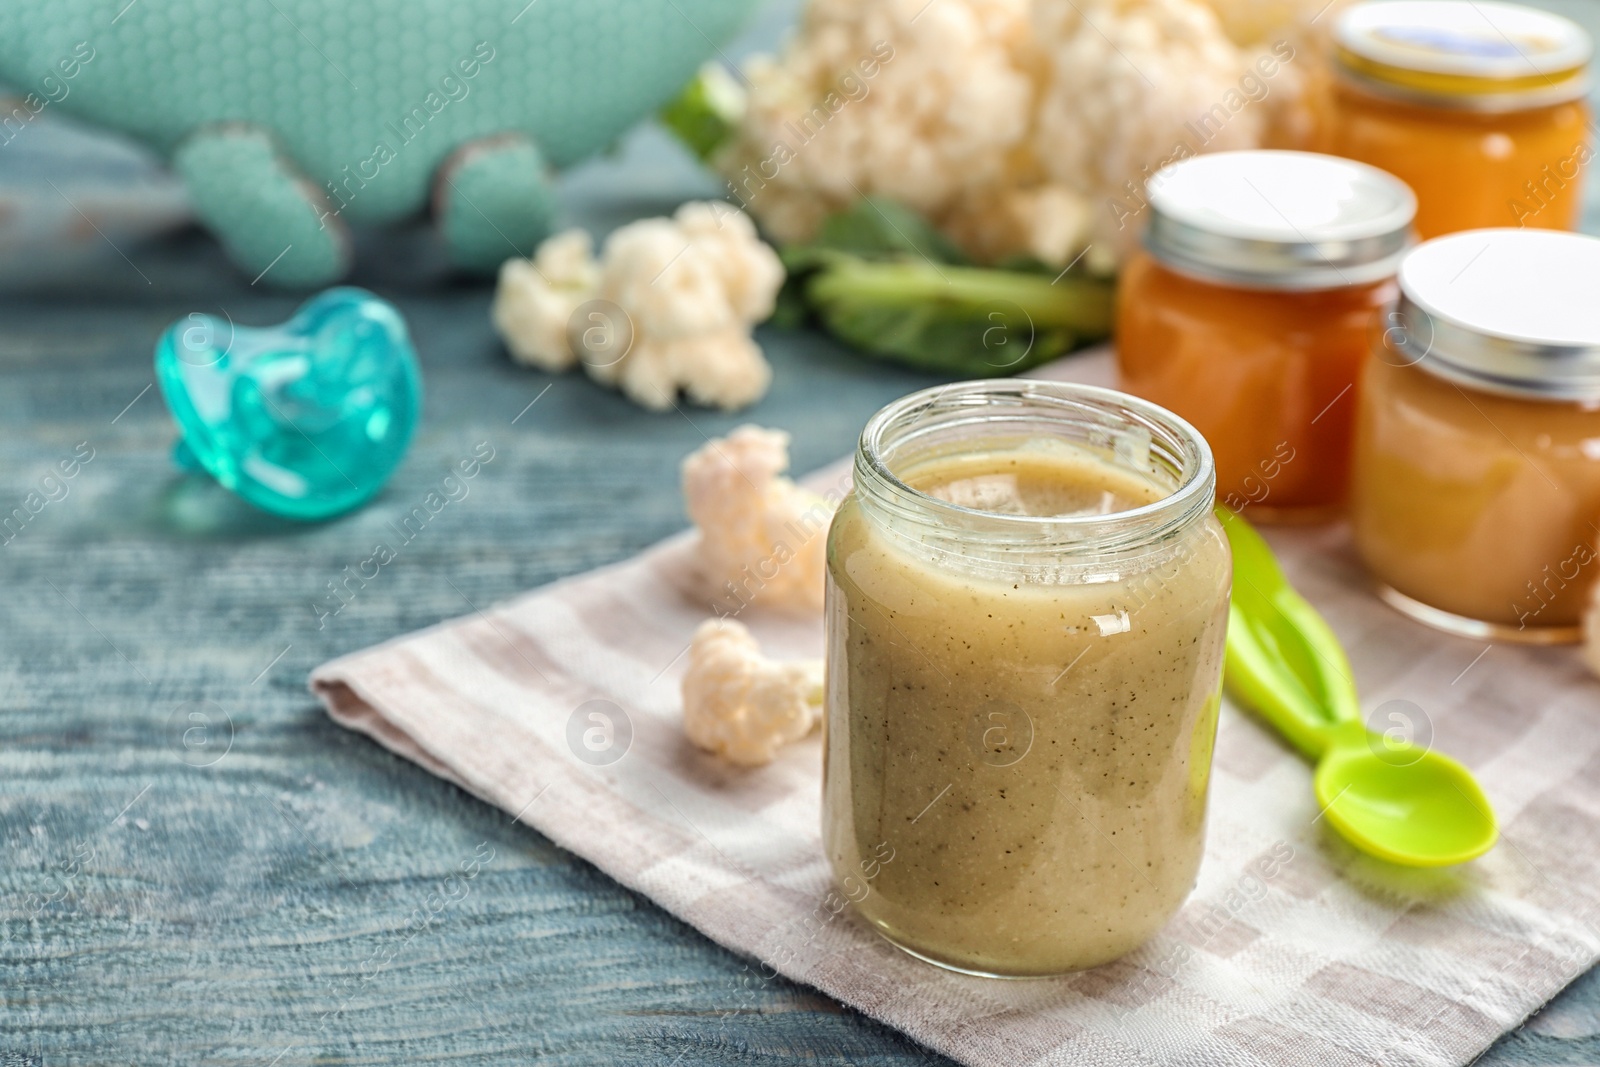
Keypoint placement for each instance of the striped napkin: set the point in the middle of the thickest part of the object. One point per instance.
(562, 708)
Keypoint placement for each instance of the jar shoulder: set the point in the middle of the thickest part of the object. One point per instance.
(1351, 102)
(1151, 293)
(1438, 408)
(861, 555)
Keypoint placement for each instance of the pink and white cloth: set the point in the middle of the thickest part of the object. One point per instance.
(1293, 948)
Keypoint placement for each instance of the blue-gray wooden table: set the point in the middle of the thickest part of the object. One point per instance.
(198, 867)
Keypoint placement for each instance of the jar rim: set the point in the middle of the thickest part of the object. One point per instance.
(1186, 451)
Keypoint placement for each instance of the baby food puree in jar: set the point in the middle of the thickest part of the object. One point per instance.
(1252, 308)
(1477, 489)
(1027, 601)
(1477, 105)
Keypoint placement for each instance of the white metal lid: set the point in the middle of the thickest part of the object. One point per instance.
(1279, 220)
(1511, 311)
(1468, 53)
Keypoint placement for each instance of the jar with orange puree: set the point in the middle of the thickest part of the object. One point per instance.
(1477, 470)
(1477, 105)
(1252, 308)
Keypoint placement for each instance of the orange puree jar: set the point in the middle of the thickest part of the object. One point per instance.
(1253, 306)
(1476, 499)
(1477, 105)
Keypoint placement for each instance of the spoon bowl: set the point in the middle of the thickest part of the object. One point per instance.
(1403, 803)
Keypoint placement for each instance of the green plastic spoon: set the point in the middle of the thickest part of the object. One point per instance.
(1388, 797)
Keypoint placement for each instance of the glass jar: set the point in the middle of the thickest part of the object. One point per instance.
(1027, 599)
(1477, 467)
(1252, 308)
(1478, 106)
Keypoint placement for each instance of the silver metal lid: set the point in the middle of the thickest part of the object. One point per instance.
(1480, 55)
(1508, 311)
(1279, 220)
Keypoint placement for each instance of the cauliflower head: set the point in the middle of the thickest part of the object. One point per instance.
(1292, 39)
(1012, 125)
(741, 705)
(922, 103)
(677, 300)
(763, 539)
(1128, 86)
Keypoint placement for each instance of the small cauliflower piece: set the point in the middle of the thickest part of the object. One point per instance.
(763, 539)
(741, 705)
(678, 298)
(535, 300)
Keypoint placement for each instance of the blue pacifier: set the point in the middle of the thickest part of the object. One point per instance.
(305, 420)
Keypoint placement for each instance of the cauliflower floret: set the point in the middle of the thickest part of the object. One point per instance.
(692, 285)
(763, 539)
(677, 300)
(535, 299)
(741, 705)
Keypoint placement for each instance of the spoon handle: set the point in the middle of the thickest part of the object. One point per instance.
(1283, 660)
